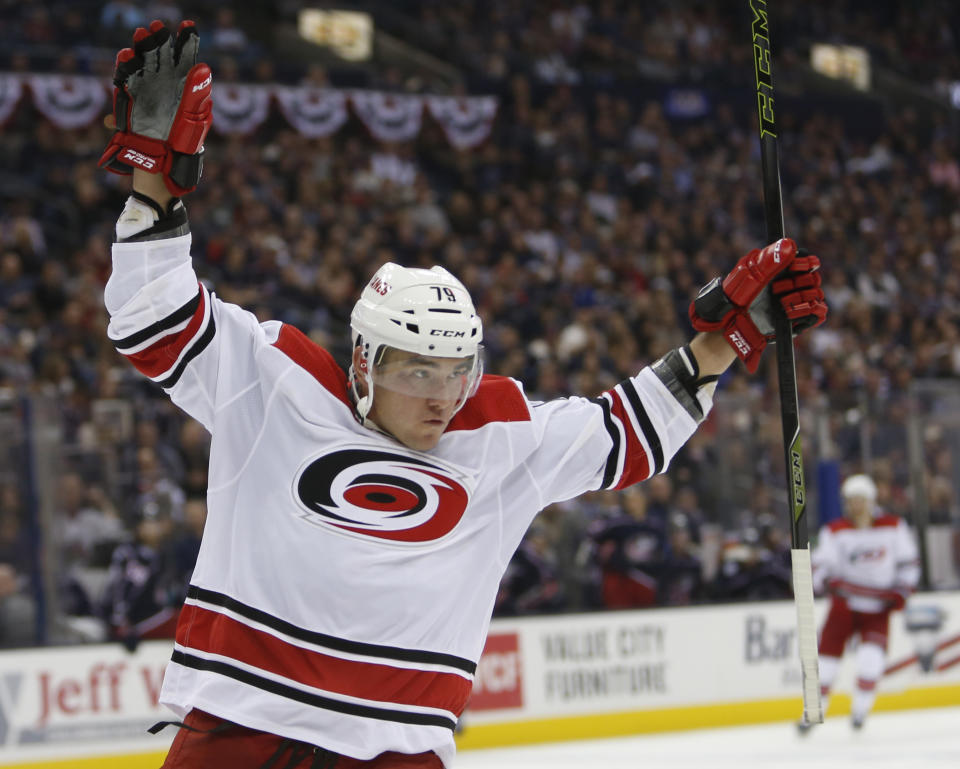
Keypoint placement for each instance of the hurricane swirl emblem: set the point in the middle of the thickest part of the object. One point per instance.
(382, 494)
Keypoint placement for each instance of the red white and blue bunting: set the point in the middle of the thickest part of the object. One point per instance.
(74, 101)
(314, 112)
(68, 101)
(465, 121)
(10, 91)
(239, 109)
(389, 117)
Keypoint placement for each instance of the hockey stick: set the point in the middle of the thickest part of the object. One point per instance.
(786, 367)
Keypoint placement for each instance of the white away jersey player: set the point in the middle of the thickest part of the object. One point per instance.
(345, 583)
(870, 564)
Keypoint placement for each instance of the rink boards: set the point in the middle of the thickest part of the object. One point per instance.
(540, 679)
(609, 674)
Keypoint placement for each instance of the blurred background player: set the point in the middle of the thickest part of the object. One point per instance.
(868, 563)
(629, 549)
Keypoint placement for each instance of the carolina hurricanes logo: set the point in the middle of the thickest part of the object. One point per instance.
(382, 494)
(868, 554)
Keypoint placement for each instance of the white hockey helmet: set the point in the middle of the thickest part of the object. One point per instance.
(859, 486)
(428, 312)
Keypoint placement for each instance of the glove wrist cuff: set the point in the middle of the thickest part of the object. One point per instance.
(710, 310)
(746, 340)
(183, 172)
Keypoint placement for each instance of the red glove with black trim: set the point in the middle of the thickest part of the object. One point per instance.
(742, 304)
(837, 593)
(897, 599)
(834, 587)
(162, 107)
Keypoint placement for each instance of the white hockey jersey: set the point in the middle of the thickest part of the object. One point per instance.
(345, 583)
(869, 564)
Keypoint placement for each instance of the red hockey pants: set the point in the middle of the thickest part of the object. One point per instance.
(237, 747)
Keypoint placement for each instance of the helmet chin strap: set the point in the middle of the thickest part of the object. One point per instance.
(363, 402)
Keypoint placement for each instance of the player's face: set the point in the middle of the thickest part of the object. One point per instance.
(859, 510)
(416, 396)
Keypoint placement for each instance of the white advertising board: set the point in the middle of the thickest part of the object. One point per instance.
(84, 701)
(77, 701)
(572, 665)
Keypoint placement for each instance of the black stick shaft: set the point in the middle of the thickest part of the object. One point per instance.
(773, 210)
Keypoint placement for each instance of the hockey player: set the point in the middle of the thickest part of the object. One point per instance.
(359, 522)
(868, 563)
(629, 550)
(143, 591)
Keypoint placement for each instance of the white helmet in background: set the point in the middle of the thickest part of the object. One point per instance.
(860, 487)
(427, 312)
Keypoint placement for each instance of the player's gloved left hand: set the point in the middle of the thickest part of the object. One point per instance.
(742, 305)
(162, 107)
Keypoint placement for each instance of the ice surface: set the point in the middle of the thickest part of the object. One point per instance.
(926, 739)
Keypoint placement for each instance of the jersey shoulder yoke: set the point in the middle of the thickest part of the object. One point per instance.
(311, 357)
(840, 524)
(498, 399)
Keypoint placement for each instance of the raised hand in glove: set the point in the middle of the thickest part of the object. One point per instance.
(742, 305)
(161, 107)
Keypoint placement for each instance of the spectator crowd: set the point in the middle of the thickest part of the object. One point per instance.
(582, 228)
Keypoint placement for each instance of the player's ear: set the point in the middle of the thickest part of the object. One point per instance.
(359, 361)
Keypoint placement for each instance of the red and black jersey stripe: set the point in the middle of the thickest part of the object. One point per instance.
(163, 350)
(219, 634)
(637, 450)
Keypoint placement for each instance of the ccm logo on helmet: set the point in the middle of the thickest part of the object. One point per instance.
(446, 332)
(381, 494)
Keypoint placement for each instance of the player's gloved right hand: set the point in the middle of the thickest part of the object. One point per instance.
(162, 107)
(897, 599)
(835, 587)
(742, 305)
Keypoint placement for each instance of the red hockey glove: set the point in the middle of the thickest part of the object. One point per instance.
(897, 599)
(834, 587)
(835, 590)
(161, 107)
(741, 307)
